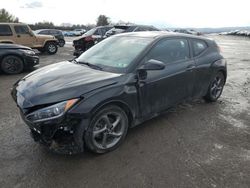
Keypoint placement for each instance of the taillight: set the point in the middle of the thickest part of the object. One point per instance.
(88, 38)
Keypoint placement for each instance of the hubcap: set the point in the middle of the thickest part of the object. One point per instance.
(217, 87)
(108, 130)
(12, 65)
(52, 48)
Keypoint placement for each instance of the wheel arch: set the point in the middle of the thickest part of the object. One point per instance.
(12, 54)
(118, 103)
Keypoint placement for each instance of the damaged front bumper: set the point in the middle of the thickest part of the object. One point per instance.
(63, 135)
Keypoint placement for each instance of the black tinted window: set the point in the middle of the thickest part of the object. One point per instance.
(45, 32)
(199, 46)
(170, 50)
(97, 32)
(141, 29)
(21, 29)
(54, 32)
(5, 30)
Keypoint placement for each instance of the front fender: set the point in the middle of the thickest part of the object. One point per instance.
(119, 94)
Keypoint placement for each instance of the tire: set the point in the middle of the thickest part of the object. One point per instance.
(12, 65)
(51, 48)
(61, 43)
(215, 87)
(107, 130)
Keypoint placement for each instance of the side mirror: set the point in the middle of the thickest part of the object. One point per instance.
(153, 64)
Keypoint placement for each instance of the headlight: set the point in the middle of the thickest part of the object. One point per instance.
(51, 112)
(29, 52)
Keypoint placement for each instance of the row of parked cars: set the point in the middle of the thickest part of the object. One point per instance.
(48, 40)
(237, 33)
(97, 34)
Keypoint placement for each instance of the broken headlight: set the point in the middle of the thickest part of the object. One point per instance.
(51, 112)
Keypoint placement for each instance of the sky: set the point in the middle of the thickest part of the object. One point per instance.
(160, 13)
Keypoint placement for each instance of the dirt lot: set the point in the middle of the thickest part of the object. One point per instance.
(194, 145)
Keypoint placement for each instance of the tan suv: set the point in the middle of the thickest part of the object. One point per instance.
(18, 33)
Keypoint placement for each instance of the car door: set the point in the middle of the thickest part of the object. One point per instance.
(23, 36)
(163, 88)
(202, 58)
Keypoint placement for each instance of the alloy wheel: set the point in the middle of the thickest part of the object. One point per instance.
(108, 130)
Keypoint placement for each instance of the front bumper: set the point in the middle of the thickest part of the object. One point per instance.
(31, 61)
(77, 52)
(63, 135)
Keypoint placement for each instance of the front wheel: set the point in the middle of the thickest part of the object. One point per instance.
(51, 48)
(12, 65)
(215, 88)
(107, 129)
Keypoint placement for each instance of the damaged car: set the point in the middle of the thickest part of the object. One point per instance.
(92, 101)
(89, 39)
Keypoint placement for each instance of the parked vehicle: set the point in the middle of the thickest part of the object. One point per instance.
(16, 58)
(18, 33)
(129, 28)
(119, 83)
(187, 31)
(54, 32)
(68, 34)
(78, 32)
(89, 39)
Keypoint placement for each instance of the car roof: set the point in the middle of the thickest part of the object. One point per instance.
(160, 34)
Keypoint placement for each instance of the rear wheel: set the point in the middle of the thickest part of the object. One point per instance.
(61, 42)
(107, 130)
(12, 65)
(215, 88)
(51, 47)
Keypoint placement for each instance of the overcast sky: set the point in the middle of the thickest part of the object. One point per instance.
(161, 13)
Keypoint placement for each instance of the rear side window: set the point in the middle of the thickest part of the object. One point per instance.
(199, 46)
(45, 32)
(21, 29)
(5, 30)
(170, 51)
(54, 32)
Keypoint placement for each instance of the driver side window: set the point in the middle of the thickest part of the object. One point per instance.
(170, 51)
(21, 29)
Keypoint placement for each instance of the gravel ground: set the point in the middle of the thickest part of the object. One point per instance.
(194, 145)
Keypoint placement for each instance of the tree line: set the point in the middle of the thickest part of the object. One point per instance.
(5, 16)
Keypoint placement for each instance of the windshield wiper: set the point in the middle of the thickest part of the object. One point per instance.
(88, 64)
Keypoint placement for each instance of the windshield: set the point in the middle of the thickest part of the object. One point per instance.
(90, 32)
(115, 54)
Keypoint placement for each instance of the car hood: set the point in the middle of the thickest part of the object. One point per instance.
(13, 46)
(59, 82)
(81, 37)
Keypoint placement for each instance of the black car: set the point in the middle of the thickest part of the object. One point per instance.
(16, 58)
(129, 28)
(54, 32)
(119, 83)
(188, 31)
(89, 39)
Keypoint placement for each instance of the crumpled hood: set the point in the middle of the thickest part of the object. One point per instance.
(59, 82)
(81, 37)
